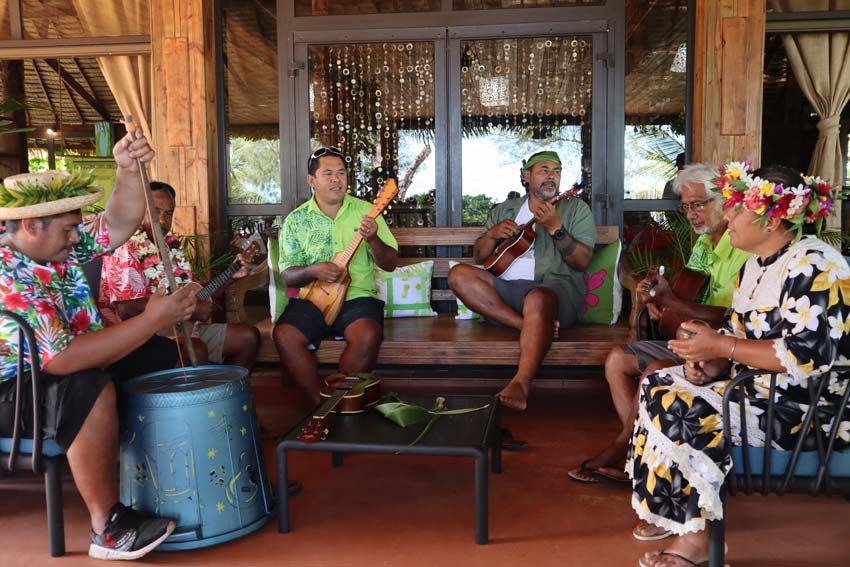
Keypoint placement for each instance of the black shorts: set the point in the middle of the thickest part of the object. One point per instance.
(307, 318)
(158, 353)
(68, 399)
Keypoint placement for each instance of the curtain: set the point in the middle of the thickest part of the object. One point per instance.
(128, 77)
(821, 64)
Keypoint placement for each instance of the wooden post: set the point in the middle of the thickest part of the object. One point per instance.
(184, 113)
(728, 61)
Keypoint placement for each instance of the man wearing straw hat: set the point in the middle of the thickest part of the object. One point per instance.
(45, 240)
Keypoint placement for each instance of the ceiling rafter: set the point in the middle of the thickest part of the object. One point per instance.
(100, 108)
(71, 84)
(43, 87)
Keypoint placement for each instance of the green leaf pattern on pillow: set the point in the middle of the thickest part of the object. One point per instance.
(463, 312)
(406, 292)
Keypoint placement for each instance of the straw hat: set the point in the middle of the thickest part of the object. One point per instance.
(33, 195)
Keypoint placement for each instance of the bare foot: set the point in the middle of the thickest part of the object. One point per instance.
(514, 396)
(684, 551)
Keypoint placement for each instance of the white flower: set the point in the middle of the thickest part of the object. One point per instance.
(805, 316)
(757, 323)
(837, 386)
(843, 429)
(837, 269)
(796, 205)
(802, 265)
(836, 326)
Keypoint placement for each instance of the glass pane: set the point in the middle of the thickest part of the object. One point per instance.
(496, 4)
(807, 5)
(375, 102)
(45, 19)
(656, 88)
(349, 8)
(518, 97)
(652, 239)
(250, 53)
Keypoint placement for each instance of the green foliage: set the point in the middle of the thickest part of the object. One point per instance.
(7, 107)
(35, 192)
(199, 252)
(657, 148)
(681, 236)
(254, 171)
(475, 209)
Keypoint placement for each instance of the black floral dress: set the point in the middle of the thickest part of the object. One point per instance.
(799, 299)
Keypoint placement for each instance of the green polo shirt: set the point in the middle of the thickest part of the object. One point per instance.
(549, 266)
(722, 264)
(309, 236)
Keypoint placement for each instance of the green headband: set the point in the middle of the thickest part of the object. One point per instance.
(541, 156)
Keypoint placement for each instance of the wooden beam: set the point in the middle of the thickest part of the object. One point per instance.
(43, 86)
(66, 131)
(72, 84)
(89, 88)
(75, 47)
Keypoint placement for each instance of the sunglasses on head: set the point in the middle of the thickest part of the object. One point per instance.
(326, 151)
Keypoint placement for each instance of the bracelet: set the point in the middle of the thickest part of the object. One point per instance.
(732, 352)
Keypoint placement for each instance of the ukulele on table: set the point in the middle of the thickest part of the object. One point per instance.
(510, 249)
(353, 394)
(329, 296)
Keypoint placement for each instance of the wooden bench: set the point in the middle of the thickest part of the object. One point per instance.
(442, 340)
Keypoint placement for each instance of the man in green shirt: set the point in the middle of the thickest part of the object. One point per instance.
(543, 288)
(310, 236)
(712, 255)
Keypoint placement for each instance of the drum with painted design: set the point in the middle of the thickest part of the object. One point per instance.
(190, 451)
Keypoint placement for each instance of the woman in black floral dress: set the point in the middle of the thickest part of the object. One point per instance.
(790, 318)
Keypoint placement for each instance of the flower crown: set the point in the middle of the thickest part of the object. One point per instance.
(807, 203)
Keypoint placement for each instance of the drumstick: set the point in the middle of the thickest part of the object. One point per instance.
(159, 238)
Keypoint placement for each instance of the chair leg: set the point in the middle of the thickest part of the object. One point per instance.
(717, 536)
(55, 518)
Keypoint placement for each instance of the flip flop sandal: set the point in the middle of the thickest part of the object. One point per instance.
(677, 556)
(583, 468)
(640, 537)
(510, 444)
(610, 477)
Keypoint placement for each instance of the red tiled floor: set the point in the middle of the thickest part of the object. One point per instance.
(386, 510)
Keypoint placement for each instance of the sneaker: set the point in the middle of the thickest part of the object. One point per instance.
(129, 534)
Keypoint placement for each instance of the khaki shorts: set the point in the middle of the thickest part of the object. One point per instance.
(213, 335)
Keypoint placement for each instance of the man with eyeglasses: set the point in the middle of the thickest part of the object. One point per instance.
(310, 236)
(712, 255)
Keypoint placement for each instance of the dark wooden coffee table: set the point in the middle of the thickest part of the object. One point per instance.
(466, 435)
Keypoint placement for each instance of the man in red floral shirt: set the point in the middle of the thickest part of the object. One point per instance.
(41, 281)
(134, 272)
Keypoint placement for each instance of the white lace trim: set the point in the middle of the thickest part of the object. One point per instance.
(706, 481)
(692, 525)
(785, 359)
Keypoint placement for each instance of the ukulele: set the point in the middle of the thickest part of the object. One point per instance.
(248, 255)
(685, 285)
(518, 244)
(329, 296)
(355, 393)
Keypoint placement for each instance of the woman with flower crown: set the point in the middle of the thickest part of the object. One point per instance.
(789, 320)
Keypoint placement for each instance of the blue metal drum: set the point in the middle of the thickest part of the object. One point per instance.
(190, 451)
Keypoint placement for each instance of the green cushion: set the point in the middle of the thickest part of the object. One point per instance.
(277, 289)
(604, 298)
(406, 291)
(463, 312)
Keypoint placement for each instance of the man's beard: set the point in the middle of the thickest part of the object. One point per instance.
(546, 193)
(707, 229)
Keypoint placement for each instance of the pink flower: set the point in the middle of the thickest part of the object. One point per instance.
(80, 323)
(46, 276)
(15, 302)
(592, 282)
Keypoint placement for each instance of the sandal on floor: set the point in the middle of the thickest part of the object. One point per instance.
(583, 468)
(510, 444)
(677, 556)
(640, 537)
(599, 473)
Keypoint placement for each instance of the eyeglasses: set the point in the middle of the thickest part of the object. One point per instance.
(696, 206)
(326, 151)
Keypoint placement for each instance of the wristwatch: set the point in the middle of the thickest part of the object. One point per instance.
(559, 234)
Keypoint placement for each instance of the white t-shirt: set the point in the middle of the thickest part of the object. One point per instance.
(523, 267)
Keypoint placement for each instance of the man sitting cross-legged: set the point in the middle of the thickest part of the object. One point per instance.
(543, 289)
(310, 236)
(135, 271)
(712, 255)
(45, 240)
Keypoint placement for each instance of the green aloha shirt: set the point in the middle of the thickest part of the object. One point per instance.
(54, 298)
(721, 264)
(309, 236)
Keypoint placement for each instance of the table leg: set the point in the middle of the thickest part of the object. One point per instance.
(481, 529)
(336, 459)
(496, 465)
(282, 493)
